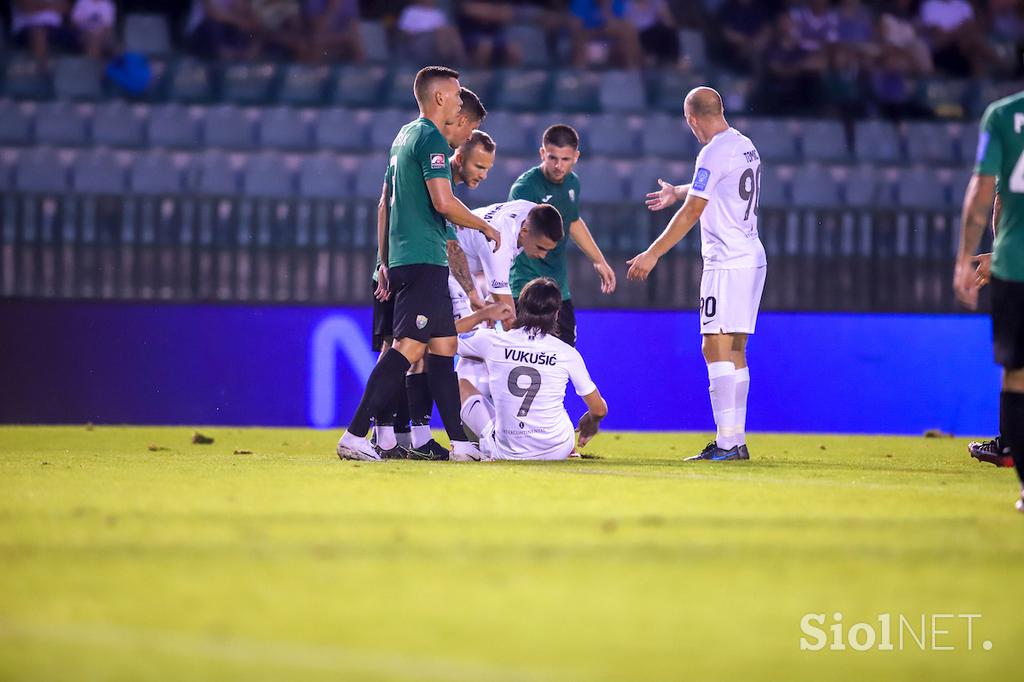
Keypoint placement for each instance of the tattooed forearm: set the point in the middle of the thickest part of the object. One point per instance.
(459, 266)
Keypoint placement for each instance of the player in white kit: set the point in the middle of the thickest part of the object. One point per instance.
(526, 371)
(723, 196)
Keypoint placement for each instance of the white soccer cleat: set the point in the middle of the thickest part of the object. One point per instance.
(466, 452)
(354, 447)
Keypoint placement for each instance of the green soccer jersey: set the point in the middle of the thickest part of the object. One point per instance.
(416, 232)
(533, 186)
(1001, 153)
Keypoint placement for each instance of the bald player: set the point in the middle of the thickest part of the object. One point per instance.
(723, 197)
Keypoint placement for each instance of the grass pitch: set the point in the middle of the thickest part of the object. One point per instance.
(195, 563)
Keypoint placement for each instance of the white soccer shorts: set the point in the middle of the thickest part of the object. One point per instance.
(730, 300)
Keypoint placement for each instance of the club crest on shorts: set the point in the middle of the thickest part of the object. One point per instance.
(421, 321)
(437, 160)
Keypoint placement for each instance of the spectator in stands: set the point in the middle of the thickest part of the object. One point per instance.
(428, 35)
(38, 24)
(746, 27)
(601, 28)
(483, 25)
(793, 73)
(225, 29)
(281, 29)
(1006, 29)
(815, 26)
(94, 21)
(957, 43)
(656, 28)
(903, 49)
(334, 30)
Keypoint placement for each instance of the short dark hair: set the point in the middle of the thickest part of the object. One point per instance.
(426, 76)
(537, 309)
(478, 138)
(472, 107)
(561, 135)
(546, 220)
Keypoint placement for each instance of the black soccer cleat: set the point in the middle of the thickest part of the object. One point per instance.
(713, 453)
(744, 452)
(991, 452)
(397, 452)
(430, 451)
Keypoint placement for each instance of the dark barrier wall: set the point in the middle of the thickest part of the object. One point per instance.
(66, 362)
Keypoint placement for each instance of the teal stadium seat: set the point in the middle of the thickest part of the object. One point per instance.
(321, 176)
(509, 133)
(370, 176)
(774, 186)
(211, 173)
(304, 85)
(267, 174)
(339, 130)
(60, 123)
(40, 170)
(400, 89)
(248, 83)
(228, 127)
(602, 184)
(532, 43)
(774, 138)
(930, 143)
(862, 187)
(190, 81)
(154, 172)
(610, 135)
(173, 126)
(147, 34)
(668, 137)
(98, 171)
(384, 127)
(375, 41)
(523, 90)
(117, 124)
(576, 91)
(622, 92)
(484, 82)
(824, 140)
(78, 78)
(15, 123)
(284, 128)
(877, 142)
(359, 85)
(672, 86)
(25, 78)
(813, 186)
(967, 143)
(920, 188)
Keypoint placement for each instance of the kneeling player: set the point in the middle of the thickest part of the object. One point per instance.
(526, 371)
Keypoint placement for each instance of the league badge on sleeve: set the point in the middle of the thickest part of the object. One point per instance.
(700, 180)
(437, 161)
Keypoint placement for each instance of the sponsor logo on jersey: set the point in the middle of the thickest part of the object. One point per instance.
(495, 284)
(546, 199)
(421, 321)
(700, 181)
(437, 160)
(572, 195)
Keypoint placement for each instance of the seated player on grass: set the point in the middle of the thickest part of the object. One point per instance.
(514, 404)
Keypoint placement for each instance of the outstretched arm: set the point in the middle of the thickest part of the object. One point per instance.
(580, 234)
(682, 222)
(667, 195)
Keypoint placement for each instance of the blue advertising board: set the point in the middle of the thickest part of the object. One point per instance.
(132, 363)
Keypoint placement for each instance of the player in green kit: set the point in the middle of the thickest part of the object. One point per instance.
(1000, 168)
(554, 182)
(421, 200)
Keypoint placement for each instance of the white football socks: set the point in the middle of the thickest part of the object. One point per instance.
(386, 439)
(478, 416)
(742, 389)
(421, 435)
(723, 402)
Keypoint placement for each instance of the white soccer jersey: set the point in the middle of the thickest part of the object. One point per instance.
(507, 218)
(527, 377)
(728, 176)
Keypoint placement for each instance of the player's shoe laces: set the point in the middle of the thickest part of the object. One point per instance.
(990, 452)
(430, 451)
(354, 447)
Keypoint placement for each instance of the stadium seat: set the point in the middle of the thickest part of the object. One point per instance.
(813, 186)
(400, 95)
(862, 188)
(672, 86)
(25, 78)
(499, 180)
(190, 81)
(227, 127)
(532, 42)
(947, 97)
(117, 124)
(622, 91)
(823, 140)
(8, 162)
(248, 83)
(375, 41)
(304, 85)
(384, 127)
(774, 186)
(523, 91)
(40, 170)
(609, 135)
(509, 133)
(668, 137)
(78, 78)
(60, 123)
(172, 125)
(15, 123)
(98, 171)
(930, 143)
(484, 82)
(338, 130)
(211, 173)
(322, 177)
(370, 176)
(284, 128)
(154, 172)
(576, 91)
(774, 138)
(359, 85)
(693, 48)
(967, 143)
(267, 175)
(602, 184)
(147, 34)
(877, 141)
(920, 187)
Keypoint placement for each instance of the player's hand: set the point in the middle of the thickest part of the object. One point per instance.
(607, 275)
(493, 236)
(475, 302)
(498, 312)
(965, 283)
(640, 266)
(383, 291)
(984, 269)
(663, 198)
(587, 429)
